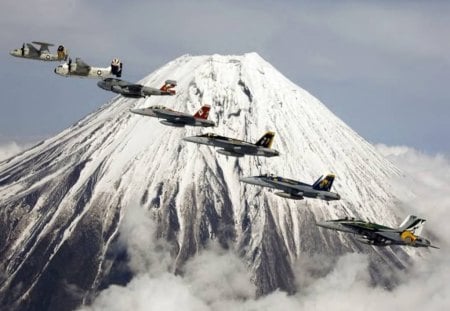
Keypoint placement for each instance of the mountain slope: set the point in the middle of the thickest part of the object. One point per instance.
(62, 201)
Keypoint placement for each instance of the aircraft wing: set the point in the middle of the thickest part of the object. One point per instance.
(32, 49)
(82, 67)
(134, 88)
(242, 146)
(170, 114)
(284, 184)
(239, 149)
(290, 195)
(390, 235)
(118, 82)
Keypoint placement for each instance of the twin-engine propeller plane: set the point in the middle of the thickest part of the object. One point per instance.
(29, 51)
(406, 234)
(296, 190)
(81, 69)
(132, 90)
(237, 148)
(177, 119)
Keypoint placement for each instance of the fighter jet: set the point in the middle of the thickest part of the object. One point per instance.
(237, 148)
(29, 51)
(296, 190)
(81, 69)
(175, 118)
(128, 89)
(374, 234)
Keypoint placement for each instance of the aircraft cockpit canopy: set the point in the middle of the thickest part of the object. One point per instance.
(159, 107)
(209, 135)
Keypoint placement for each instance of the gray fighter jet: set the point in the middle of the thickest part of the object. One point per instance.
(128, 89)
(177, 119)
(296, 190)
(237, 148)
(374, 234)
(31, 52)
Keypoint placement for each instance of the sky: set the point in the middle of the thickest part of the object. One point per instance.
(381, 66)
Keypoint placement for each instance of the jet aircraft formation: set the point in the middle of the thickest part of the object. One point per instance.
(407, 234)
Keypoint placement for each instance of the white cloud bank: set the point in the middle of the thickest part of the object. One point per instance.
(219, 280)
(8, 150)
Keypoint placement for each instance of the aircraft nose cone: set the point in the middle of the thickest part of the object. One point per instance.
(249, 180)
(328, 225)
(322, 224)
(190, 139)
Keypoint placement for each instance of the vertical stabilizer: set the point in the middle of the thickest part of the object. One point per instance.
(266, 140)
(413, 224)
(203, 112)
(324, 184)
(168, 87)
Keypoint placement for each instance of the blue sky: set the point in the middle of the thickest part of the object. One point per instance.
(383, 67)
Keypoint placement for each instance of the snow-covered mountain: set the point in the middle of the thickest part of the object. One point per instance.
(61, 202)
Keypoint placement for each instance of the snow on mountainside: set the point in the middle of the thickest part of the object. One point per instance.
(61, 201)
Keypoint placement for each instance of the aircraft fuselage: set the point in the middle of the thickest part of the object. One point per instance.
(233, 147)
(91, 72)
(128, 89)
(292, 189)
(173, 118)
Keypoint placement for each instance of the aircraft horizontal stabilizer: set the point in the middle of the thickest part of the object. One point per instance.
(203, 112)
(324, 184)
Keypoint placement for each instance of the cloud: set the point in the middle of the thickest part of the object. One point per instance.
(427, 177)
(214, 278)
(217, 279)
(10, 149)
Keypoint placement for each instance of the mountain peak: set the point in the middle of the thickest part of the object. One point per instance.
(64, 199)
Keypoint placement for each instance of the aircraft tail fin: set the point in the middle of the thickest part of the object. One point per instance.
(324, 183)
(116, 67)
(266, 140)
(62, 53)
(203, 112)
(412, 223)
(168, 86)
